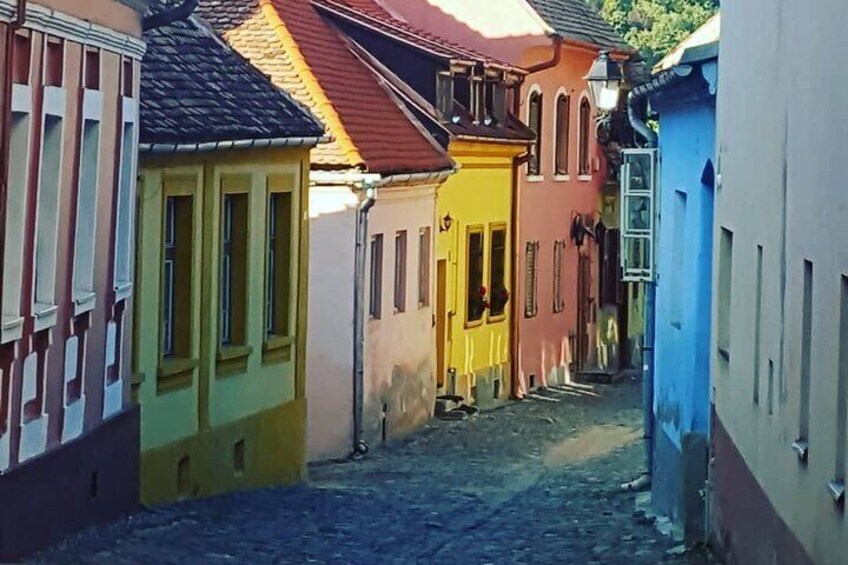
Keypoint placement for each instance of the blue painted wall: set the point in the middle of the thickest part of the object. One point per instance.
(684, 260)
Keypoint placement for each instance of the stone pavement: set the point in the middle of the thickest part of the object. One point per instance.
(533, 482)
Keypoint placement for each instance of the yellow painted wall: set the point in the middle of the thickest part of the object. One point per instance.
(479, 194)
(201, 411)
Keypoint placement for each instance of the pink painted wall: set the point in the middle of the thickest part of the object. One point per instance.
(400, 346)
(546, 208)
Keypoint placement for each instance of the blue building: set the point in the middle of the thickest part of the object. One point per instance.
(683, 93)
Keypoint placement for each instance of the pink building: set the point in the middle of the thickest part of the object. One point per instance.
(568, 322)
(68, 431)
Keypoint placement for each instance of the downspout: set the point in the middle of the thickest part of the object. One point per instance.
(553, 62)
(360, 447)
(517, 163)
(639, 95)
(177, 13)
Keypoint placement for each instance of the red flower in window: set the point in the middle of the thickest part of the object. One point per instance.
(482, 291)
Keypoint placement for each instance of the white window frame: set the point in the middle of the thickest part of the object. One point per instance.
(535, 89)
(125, 203)
(85, 233)
(555, 141)
(585, 176)
(13, 259)
(629, 235)
(44, 308)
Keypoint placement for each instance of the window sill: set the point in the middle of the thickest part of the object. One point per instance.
(277, 348)
(562, 178)
(535, 178)
(175, 374)
(496, 319)
(232, 359)
(473, 323)
(724, 354)
(45, 315)
(84, 302)
(801, 449)
(584, 178)
(13, 329)
(123, 290)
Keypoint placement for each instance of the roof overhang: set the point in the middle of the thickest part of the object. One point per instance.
(163, 148)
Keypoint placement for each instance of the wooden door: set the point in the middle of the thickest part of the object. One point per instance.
(441, 320)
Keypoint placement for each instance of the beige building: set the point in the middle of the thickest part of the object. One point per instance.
(780, 287)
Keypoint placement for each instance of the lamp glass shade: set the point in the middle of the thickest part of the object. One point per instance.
(604, 80)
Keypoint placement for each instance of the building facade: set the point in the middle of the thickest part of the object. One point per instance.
(779, 346)
(371, 372)
(686, 108)
(68, 432)
(222, 270)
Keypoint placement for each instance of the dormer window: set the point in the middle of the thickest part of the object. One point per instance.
(496, 101)
(478, 100)
(444, 95)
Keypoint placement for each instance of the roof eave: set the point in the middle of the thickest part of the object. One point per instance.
(205, 147)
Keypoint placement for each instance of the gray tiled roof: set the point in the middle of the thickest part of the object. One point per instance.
(574, 19)
(195, 89)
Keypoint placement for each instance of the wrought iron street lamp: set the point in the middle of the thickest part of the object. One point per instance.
(605, 81)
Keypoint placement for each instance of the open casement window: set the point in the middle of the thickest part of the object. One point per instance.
(424, 267)
(86, 220)
(476, 297)
(531, 252)
(375, 295)
(534, 122)
(47, 209)
(124, 248)
(559, 303)
(563, 122)
(444, 95)
(233, 263)
(278, 262)
(585, 137)
(498, 294)
(638, 221)
(496, 100)
(177, 273)
(17, 191)
(400, 271)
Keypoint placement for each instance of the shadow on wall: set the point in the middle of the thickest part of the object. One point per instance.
(396, 408)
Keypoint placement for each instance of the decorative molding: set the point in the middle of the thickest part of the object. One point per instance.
(47, 20)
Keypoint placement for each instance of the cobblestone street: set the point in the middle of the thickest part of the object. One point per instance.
(533, 482)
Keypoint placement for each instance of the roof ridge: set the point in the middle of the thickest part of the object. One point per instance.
(311, 82)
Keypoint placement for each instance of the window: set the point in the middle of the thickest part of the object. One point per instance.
(86, 220)
(424, 267)
(279, 263)
(534, 122)
(531, 249)
(400, 271)
(233, 269)
(725, 265)
(177, 259)
(476, 298)
(758, 321)
(54, 61)
(478, 99)
(497, 272)
(496, 103)
(92, 68)
(444, 94)
(376, 291)
(806, 346)
(563, 118)
(585, 133)
(124, 205)
(678, 258)
(559, 303)
(47, 211)
(842, 387)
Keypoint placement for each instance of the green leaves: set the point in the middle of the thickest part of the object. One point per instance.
(655, 26)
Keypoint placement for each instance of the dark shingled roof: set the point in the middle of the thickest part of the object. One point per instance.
(574, 19)
(195, 89)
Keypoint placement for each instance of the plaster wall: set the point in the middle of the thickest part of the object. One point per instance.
(329, 383)
(400, 380)
(547, 206)
(781, 148)
(684, 263)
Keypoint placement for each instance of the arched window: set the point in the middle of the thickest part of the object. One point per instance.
(585, 131)
(534, 122)
(563, 118)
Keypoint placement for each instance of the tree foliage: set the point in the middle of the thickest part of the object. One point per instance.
(655, 27)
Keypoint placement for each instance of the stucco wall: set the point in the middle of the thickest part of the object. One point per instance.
(781, 147)
(329, 363)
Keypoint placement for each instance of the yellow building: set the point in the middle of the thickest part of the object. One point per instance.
(474, 252)
(221, 272)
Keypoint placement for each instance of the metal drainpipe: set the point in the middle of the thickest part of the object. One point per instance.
(360, 447)
(515, 313)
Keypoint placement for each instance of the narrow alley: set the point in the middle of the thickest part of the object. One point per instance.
(533, 482)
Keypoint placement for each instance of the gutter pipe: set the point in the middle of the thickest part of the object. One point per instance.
(177, 13)
(639, 96)
(160, 148)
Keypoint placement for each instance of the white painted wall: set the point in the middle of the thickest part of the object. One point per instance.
(781, 116)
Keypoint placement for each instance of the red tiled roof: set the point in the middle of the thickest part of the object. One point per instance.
(373, 15)
(364, 114)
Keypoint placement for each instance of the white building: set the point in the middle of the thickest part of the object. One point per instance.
(780, 283)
